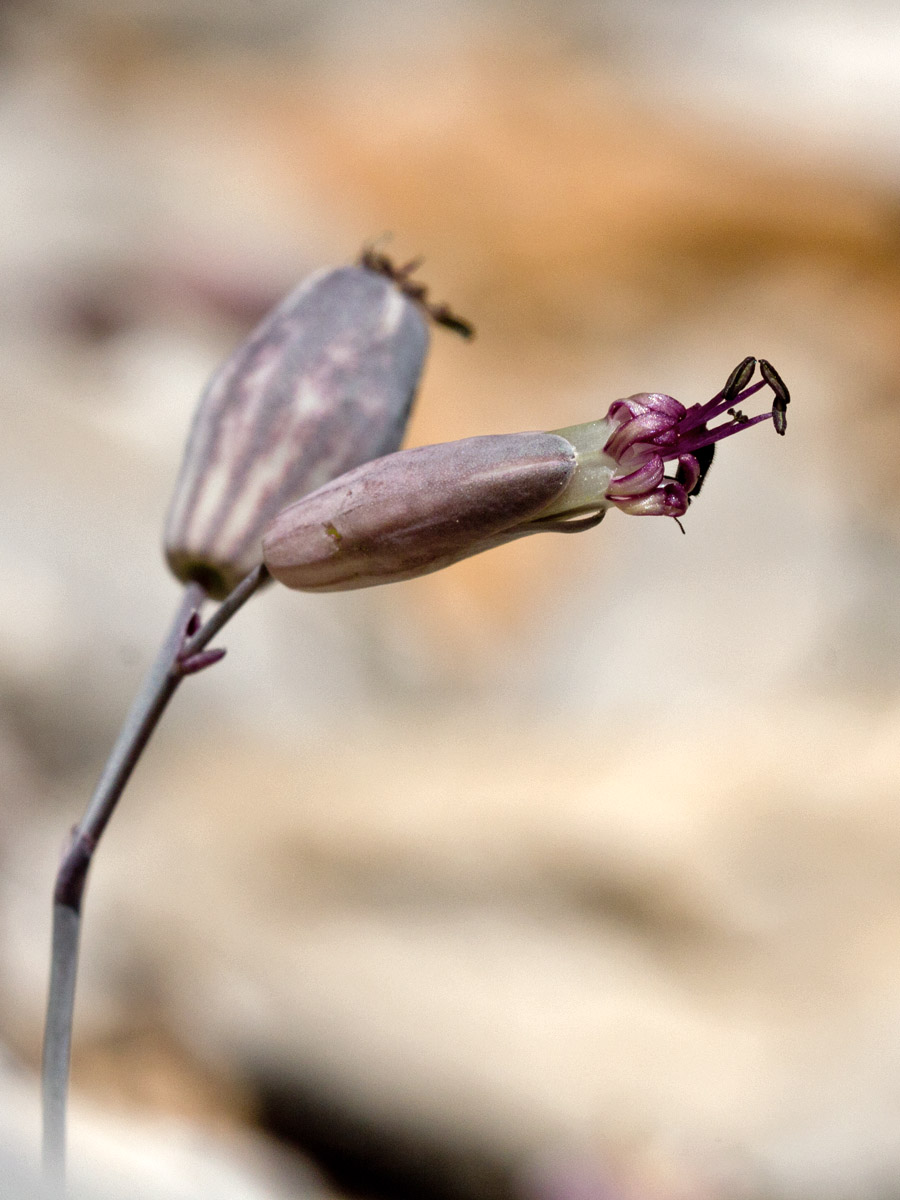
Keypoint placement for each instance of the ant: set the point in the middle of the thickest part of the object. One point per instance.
(373, 260)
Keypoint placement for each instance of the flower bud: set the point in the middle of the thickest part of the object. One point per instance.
(415, 511)
(324, 383)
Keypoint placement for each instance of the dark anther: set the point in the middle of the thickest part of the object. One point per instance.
(704, 456)
(739, 378)
(374, 260)
(774, 380)
(738, 417)
(782, 395)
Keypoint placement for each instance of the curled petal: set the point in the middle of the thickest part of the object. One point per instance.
(688, 474)
(643, 402)
(668, 500)
(659, 402)
(646, 427)
(647, 476)
(621, 411)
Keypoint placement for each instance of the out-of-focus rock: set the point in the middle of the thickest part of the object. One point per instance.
(670, 943)
(661, 943)
(113, 1156)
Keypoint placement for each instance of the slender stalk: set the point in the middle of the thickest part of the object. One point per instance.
(158, 688)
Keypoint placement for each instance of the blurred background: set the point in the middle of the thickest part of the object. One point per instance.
(572, 872)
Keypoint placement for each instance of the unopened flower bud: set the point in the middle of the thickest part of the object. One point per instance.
(415, 511)
(324, 383)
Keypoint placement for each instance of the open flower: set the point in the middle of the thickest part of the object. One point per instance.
(642, 433)
(415, 511)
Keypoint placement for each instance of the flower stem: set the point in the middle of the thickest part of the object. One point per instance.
(158, 688)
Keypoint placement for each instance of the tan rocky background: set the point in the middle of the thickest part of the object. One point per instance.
(573, 872)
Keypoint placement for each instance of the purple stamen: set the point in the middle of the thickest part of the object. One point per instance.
(700, 414)
(708, 436)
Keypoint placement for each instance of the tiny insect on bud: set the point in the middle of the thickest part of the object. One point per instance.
(416, 511)
(324, 383)
(441, 314)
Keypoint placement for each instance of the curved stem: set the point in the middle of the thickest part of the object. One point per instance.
(158, 688)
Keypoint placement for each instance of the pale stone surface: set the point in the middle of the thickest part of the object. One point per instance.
(674, 943)
(115, 1155)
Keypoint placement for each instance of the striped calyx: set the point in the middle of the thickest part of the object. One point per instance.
(416, 511)
(324, 383)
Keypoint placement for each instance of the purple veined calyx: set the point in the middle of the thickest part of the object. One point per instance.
(416, 511)
(324, 383)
